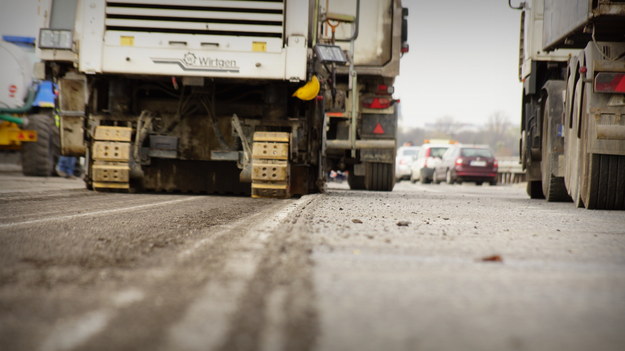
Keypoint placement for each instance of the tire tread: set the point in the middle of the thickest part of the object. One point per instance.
(379, 176)
(39, 158)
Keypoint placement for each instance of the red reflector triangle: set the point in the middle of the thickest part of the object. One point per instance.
(378, 129)
(20, 136)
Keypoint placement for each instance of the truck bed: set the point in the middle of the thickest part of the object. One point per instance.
(565, 22)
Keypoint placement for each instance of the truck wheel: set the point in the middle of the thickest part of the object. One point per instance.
(535, 189)
(552, 187)
(616, 187)
(88, 171)
(448, 178)
(39, 158)
(379, 176)
(355, 182)
(606, 182)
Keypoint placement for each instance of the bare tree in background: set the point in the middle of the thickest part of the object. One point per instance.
(446, 125)
(498, 129)
(498, 132)
(414, 136)
(498, 124)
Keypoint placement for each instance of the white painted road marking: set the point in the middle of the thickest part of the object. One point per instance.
(97, 213)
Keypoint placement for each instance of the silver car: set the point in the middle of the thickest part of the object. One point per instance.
(428, 158)
(406, 155)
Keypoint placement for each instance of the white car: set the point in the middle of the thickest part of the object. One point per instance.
(428, 158)
(406, 155)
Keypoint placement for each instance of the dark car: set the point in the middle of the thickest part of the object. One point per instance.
(467, 163)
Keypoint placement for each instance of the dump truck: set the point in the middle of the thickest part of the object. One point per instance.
(572, 66)
(27, 119)
(260, 97)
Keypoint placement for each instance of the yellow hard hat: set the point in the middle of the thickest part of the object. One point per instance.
(309, 90)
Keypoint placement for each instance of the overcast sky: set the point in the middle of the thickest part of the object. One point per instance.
(463, 62)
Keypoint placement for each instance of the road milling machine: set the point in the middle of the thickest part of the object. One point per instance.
(226, 96)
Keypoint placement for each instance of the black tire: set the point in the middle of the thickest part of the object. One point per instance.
(356, 182)
(435, 179)
(606, 183)
(619, 183)
(535, 189)
(478, 183)
(379, 176)
(88, 172)
(39, 158)
(493, 182)
(424, 179)
(553, 187)
(448, 178)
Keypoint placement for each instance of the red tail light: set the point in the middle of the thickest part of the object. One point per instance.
(402, 161)
(384, 89)
(610, 82)
(428, 152)
(459, 161)
(377, 103)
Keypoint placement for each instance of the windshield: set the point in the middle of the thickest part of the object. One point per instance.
(410, 152)
(476, 152)
(438, 151)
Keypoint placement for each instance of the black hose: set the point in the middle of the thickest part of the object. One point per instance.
(519, 7)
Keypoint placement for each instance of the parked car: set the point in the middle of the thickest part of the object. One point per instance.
(467, 163)
(427, 159)
(406, 155)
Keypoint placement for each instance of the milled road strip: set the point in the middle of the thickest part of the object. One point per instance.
(273, 221)
(204, 325)
(72, 333)
(206, 319)
(98, 213)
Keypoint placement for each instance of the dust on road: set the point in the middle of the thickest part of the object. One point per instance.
(411, 269)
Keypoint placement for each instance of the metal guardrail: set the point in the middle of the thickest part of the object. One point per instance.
(510, 171)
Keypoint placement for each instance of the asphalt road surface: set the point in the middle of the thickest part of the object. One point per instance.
(425, 267)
